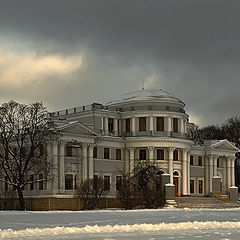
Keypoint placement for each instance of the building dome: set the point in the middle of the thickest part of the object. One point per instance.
(144, 95)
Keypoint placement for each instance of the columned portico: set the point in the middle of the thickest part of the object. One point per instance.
(170, 165)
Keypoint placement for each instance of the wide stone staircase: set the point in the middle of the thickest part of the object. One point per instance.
(203, 202)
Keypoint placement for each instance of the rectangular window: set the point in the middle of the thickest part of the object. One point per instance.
(191, 186)
(142, 154)
(160, 154)
(6, 185)
(41, 150)
(40, 183)
(32, 182)
(175, 155)
(95, 181)
(118, 183)
(69, 182)
(175, 124)
(200, 186)
(95, 152)
(160, 124)
(110, 125)
(142, 124)
(118, 154)
(106, 153)
(69, 151)
(106, 183)
(200, 163)
(128, 125)
(218, 163)
(191, 160)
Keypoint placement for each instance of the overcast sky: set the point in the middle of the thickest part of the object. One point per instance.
(69, 53)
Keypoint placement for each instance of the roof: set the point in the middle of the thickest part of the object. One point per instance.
(145, 95)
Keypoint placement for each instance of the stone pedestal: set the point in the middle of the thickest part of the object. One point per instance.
(216, 184)
(233, 194)
(170, 195)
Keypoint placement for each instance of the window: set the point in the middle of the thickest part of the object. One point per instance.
(110, 125)
(142, 154)
(118, 154)
(41, 150)
(160, 154)
(118, 183)
(106, 153)
(175, 155)
(142, 124)
(175, 125)
(6, 185)
(160, 124)
(218, 163)
(22, 152)
(95, 152)
(200, 186)
(191, 160)
(69, 151)
(32, 182)
(200, 163)
(191, 186)
(95, 181)
(40, 183)
(128, 125)
(106, 185)
(69, 182)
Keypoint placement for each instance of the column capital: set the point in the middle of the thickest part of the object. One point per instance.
(171, 149)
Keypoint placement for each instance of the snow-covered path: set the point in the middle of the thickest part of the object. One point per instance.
(137, 224)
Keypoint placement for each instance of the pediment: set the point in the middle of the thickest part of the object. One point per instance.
(77, 128)
(224, 145)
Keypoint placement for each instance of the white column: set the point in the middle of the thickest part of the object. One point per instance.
(181, 125)
(210, 172)
(90, 154)
(102, 124)
(55, 166)
(151, 124)
(215, 166)
(151, 153)
(133, 126)
(170, 164)
(184, 171)
(115, 125)
(188, 173)
(185, 126)
(49, 159)
(131, 160)
(61, 166)
(169, 125)
(106, 125)
(84, 165)
(206, 175)
(233, 172)
(225, 174)
(228, 173)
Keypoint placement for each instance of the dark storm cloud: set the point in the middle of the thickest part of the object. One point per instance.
(190, 48)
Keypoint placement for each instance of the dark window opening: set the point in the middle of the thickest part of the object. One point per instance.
(160, 124)
(69, 182)
(128, 125)
(106, 183)
(110, 125)
(142, 154)
(142, 124)
(175, 125)
(118, 154)
(106, 153)
(95, 150)
(160, 154)
(175, 155)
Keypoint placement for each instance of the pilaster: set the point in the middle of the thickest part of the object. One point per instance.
(184, 172)
(90, 154)
(133, 126)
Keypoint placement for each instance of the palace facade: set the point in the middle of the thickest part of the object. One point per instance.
(105, 140)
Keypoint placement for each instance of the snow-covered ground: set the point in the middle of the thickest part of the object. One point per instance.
(116, 224)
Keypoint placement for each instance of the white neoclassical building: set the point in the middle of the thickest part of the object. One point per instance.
(104, 140)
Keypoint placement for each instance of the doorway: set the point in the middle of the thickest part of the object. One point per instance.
(176, 183)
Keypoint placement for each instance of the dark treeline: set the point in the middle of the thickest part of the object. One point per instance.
(229, 130)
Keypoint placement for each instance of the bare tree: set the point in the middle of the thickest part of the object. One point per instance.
(91, 191)
(142, 187)
(23, 131)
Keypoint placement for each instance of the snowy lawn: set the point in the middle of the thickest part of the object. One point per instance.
(115, 224)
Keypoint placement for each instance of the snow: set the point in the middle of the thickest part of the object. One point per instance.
(116, 224)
